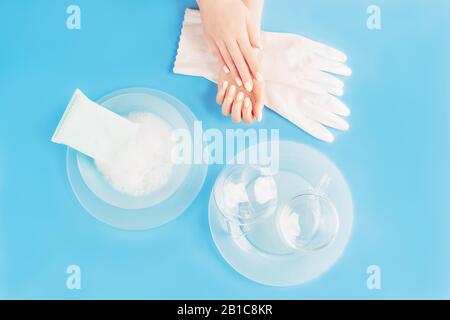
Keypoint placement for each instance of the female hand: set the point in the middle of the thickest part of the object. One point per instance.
(240, 104)
(233, 34)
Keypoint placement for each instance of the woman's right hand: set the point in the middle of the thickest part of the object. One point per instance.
(238, 103)
(233, 34)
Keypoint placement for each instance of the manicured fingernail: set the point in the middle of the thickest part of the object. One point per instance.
(225, 85)
(238, 82)
(259, 77)
(249, 86)
(232, 89)
(240, 96)
(226, 70)
(247, 103)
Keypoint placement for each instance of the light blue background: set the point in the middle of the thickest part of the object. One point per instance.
(396, 155)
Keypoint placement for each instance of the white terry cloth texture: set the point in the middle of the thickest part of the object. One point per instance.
(297, 72)
(92, 129)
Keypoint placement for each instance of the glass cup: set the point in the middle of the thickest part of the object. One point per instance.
(248, 203)
(244, 195)
(310, 221)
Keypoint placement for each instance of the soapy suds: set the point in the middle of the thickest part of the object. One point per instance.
(265, 189)
(144, 164)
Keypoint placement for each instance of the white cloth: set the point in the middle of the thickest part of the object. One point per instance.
(297, 70)
(92, 129)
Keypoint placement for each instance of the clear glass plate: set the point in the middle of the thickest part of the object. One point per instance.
(152, 210)
(261, 253)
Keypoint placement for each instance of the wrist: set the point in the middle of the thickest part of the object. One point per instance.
(256, 9)
(200, 3)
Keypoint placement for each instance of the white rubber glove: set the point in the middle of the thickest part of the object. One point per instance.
(307, 110)
(304, 63)
(296, 87)
(286, 58)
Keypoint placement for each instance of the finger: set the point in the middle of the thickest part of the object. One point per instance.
(216, 51)
(228, 61)
(254, 33)
(312, 127)
(251, 57)
(333, 66)
(301, 82)
(258, 103)
(316, 87)
(247, 114)
(324, 78)
(324, 117)
(337, 106)
(338, 92)
(241, 65)
(327, 88)
(228, 101)
(326, 51)
(236, 111)
(318, 82)
(295, 114)
(329, 103)
(221, 90)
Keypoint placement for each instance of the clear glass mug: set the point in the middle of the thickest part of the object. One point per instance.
(247, 201)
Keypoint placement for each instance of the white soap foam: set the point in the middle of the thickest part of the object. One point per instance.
(234, 194)
(144, 164)
(265, 189)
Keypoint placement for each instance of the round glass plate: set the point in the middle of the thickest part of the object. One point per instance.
(152, 210)
(262, 255)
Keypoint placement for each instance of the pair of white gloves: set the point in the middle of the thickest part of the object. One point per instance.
(297, 73)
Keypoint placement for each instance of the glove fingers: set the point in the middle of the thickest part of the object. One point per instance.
(326, 51)
(312, 127)
(324, 117)
(327, 80)
(311, 86)
(332, 66)
(317, 81)
(327, 102)
(295, 105)
(315, 85)
(336, 106)
(336, 91)
(316, 93)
